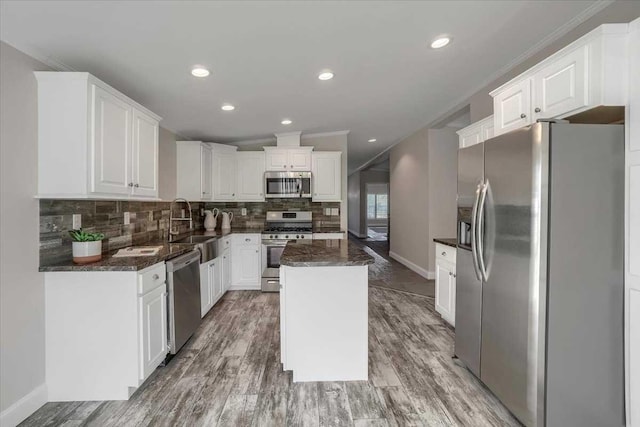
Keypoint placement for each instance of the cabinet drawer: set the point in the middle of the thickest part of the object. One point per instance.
(224, 243)
(151, 277)
(446, 253)
(247, 239)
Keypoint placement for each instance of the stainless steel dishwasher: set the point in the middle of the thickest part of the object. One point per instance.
(183, 278)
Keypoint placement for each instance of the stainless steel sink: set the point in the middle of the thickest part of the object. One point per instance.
(195, 239)
(207, 245)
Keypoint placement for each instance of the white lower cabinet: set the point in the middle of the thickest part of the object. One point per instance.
(212, 276)
(247, 261)
(446, 282)
(106, 332)
(226, 269)
(153, 330)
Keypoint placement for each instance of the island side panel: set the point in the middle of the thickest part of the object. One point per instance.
(326, 323)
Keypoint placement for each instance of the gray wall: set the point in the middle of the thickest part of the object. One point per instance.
(443, 187)
(21, 286)
(409, 199)
(423, 188)
(618, 12)
(353, 201)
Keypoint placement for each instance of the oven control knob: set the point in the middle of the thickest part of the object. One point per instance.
(271, 236)
(286, 237)
(297, 236)
(302, 237)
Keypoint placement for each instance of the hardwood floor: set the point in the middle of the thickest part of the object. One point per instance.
(229, 374)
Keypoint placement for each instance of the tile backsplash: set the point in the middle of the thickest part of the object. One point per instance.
(149, 221)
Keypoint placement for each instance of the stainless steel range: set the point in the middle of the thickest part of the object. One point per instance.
(281, 227)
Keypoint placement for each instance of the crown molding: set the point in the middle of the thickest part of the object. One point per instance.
(324, 134)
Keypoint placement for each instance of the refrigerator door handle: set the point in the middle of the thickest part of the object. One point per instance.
(480, 231)
(474, 246)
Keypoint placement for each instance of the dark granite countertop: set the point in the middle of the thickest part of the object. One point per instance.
(168, 251)
(111, 263)
(324, 253)
(447, 241)
(327, 230)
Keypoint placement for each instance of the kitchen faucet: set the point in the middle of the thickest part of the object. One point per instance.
(171, 217)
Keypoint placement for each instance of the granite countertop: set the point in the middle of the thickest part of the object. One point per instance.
(447, 241)
(168, 251)
(324, 253)
(111, 263)
(327, 229)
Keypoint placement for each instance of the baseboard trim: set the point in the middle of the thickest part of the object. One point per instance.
(27, 405)
(358, 235)
(430, 275)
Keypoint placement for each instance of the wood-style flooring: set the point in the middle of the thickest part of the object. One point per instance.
(229, 374)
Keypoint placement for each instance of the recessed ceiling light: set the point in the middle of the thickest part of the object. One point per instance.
(286, 122)
(440, 42)
(200, 72)
(325, 75)
(228, 107)
(372, 140)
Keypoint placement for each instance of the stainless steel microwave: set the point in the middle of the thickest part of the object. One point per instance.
(287, 184)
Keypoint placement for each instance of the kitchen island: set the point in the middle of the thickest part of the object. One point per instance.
(324, 310)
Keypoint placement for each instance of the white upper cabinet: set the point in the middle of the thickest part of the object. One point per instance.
(206, 172)
(512, 107)
(476, 133)
(300, 159)
(288, 159)
(110, 140)
(224, 173)
(250, 176)
(194, 170)
(145, 154)
(326, 176)
(111, 143)
(590, 72)
(561, 86)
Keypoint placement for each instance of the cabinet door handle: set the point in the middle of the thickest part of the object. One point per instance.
(444, 254)
(247, 240)
(156, 277)
(257, 251)
(454, 276)
(131, 184)
(137, 185)
(523, 116)
(291, 166)
(450, 274)
(537, 110)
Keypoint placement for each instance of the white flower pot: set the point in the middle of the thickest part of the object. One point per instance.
(87, 252)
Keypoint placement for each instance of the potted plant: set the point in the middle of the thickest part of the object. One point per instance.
(86, 247)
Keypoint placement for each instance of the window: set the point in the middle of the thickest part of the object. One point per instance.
(377, 206)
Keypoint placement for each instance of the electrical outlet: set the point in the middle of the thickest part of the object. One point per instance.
(77, 221)
(243, 211)
(150, 216)
(327, 211)
(182, 213)
(201, 211)
(127, 218)
(335, 211)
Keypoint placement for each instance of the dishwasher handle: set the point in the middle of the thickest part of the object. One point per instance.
(182, 261)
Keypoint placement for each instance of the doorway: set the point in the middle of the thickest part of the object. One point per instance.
(377, 203)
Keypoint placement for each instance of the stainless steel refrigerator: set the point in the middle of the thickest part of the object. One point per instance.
(539, 299)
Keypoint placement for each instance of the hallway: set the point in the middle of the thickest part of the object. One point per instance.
(389, 273)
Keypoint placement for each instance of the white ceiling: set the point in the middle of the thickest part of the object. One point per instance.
(265, 56)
